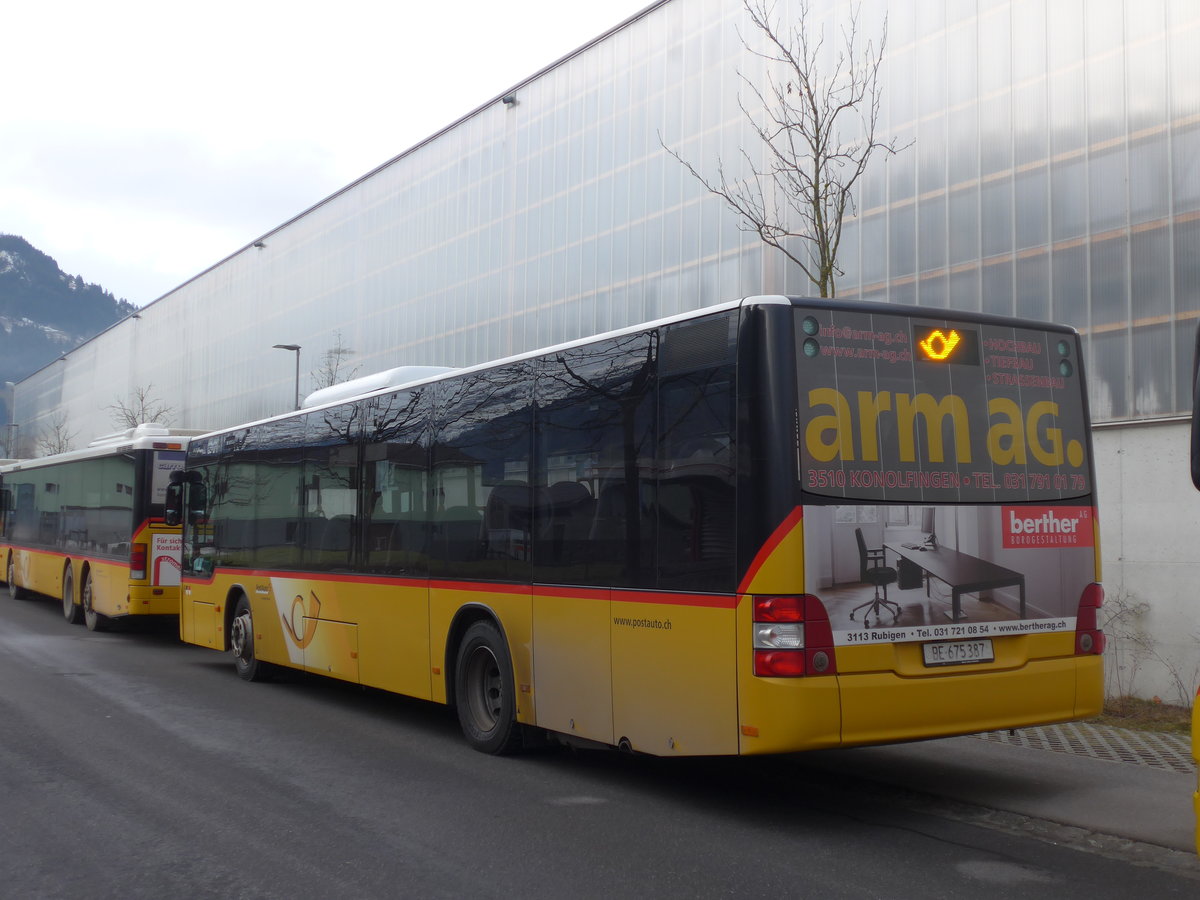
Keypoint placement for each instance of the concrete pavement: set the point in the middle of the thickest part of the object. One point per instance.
(1114, 786)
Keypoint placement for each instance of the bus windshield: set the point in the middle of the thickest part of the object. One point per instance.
(897, 409)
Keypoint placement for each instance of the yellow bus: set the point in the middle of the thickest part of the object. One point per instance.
(767, 526)
(86, 527)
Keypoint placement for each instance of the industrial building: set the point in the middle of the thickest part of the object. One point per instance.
(1050, 169)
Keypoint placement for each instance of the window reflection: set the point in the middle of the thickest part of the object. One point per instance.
(596, 427)
(481, 500)
(82, 507)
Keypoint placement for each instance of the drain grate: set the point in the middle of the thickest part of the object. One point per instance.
(1145, 748)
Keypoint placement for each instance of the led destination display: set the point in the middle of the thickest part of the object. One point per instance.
(938, 411)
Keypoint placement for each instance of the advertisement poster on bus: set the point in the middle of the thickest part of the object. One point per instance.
(165, 555)
(945, 476)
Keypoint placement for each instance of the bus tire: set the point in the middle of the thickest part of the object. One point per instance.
(241, 644)
(92, 619)
(484, 692)
(71, 610)
(14, 592)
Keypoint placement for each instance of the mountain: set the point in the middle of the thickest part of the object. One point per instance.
(45, 312)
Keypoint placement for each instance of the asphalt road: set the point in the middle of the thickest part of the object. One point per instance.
(134, 766)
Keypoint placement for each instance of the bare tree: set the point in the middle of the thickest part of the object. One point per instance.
(56, 437)
(334, 367)
(815, 115)
(141, 407)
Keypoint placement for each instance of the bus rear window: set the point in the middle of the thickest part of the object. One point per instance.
(933, 410)
(164, 463)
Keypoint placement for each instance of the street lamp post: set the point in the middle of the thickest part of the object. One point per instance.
(295, 348)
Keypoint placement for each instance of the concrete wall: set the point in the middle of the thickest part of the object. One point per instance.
(1150, 535)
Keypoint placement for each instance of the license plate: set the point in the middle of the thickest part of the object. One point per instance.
(957, 653)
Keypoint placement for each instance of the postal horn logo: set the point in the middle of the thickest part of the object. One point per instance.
(301, 622)
(939, 345)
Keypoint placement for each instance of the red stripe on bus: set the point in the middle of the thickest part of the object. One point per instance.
(785, 528)
(632, 595)
(617, 595)
(710, 601)
(72, 557)
(243, 575)
(477, 587)
(572, 593)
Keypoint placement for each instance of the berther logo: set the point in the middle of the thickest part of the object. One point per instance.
(1047, 526)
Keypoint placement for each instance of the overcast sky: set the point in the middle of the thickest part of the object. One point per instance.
(141, 142)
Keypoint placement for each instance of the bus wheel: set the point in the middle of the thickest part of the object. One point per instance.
(241, 642)
(483, 691)
(14, 592)
(92, 619)
(71, 611)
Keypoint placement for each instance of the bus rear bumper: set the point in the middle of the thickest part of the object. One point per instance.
(781, 715)
(143, 601)
(880, 708)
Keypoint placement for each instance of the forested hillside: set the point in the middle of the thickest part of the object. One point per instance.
(43, 311)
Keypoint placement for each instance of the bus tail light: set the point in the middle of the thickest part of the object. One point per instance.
(792, 637)
(137, 562)
(1089, 639)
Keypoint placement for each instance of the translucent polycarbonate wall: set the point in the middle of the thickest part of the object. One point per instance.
(1054, 173)
(1050, 167)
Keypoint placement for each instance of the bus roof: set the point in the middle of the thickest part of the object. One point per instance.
(150, 436)
(369, 384)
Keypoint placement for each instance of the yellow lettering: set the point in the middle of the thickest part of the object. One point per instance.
(869, 407)
(1037, 412)
(933, 412)
(1006, 438)
(829, 436)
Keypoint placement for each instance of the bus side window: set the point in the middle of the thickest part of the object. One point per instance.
(696, 480)
(593, 507)
(481, 445)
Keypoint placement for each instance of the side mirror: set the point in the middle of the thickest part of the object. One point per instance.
(173, 506)
(197, 501)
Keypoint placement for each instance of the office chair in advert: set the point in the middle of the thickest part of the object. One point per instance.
(872, 570)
